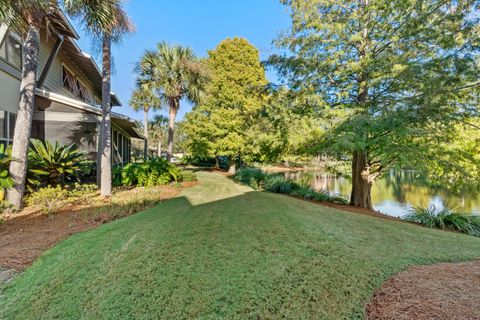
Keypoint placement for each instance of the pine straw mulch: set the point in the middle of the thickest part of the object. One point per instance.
(440, 291)
(26, 235)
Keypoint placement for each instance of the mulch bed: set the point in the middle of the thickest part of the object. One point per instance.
(440, 291)
(26, 235)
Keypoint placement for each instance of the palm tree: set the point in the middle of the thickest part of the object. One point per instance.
(106, 21)
(177, 74)
(25, 16)
(157, 129)
(143, 98)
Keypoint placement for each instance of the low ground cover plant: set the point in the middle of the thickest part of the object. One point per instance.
(51, 199)
(445, 219)
(278, 183)
(48, 199)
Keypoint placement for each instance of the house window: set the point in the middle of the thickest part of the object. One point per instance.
(7, 126)
(73, 84)
(83, 92)
(11, 50)
(69, 82)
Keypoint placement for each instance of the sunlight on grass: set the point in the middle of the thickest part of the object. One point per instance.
(213, 188)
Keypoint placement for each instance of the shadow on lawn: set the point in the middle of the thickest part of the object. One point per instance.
(24, 237)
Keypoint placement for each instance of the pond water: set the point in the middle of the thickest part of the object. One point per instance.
(396, 194)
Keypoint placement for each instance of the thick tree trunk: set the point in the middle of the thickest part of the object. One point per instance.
(145, 133)
(232, 168)
(159, 151)
(361, 186)
(171, 127)
(23, 126)
(217, 163)
(105, 129)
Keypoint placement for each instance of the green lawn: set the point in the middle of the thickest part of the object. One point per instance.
(221, 250)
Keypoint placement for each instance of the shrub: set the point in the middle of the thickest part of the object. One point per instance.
(5, 207)
(82, 193)
(187, 176)
(322, 196)
(445, 219)
(305, 192)
(49, 199)
(55, 164)
(5, 158)
(279, 184)
(149, 173)
(251, 176)
(259, 180)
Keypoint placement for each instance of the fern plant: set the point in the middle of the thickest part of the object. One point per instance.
(149, 173)
(55, 164)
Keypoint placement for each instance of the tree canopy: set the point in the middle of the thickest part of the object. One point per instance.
(233, 99)
(402, 71)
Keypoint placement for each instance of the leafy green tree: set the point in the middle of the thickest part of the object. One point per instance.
(401, 70)
(233, 100)
(176, 73)
(145, 99)
(454, 161)
(107, 22)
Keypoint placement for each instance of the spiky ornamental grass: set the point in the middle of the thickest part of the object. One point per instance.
(252, 177)
(445, 219)
(277, 183)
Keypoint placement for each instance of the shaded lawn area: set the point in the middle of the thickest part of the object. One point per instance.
(220, 250)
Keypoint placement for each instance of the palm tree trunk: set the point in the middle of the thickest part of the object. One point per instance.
(23, 126)
(171, 127)
(159, 151)
(105, 129)
(145, 133)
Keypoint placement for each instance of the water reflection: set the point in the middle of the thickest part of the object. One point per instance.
(395, 194)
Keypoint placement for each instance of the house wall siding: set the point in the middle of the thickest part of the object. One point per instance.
(54, 81)
(9, 92)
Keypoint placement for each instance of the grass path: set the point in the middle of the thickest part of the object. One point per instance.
(222, 251)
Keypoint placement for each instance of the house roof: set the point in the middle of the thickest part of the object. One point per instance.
(61, 23)
(88, 65)
(83, 60)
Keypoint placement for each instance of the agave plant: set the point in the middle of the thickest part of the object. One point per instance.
(54, 164)
(5, 158)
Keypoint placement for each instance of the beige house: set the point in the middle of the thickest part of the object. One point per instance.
(68, 93)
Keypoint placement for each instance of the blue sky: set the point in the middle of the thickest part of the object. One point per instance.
(200, 24)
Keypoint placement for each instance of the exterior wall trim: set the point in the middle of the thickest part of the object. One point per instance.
(9, 69)
(77, 104)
